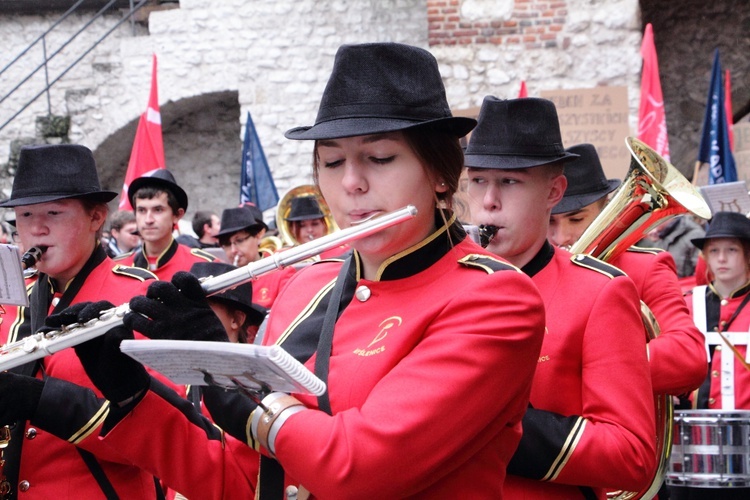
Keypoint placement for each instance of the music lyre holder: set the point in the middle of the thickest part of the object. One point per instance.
(256, 395)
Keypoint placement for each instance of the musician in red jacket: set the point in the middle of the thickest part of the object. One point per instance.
(590, 422)
(159, 203)
(720, 309)
(677, 357)
(427, 342)
(241, 231)
(51, 404)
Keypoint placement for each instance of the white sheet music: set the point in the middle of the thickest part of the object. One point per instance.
(262, 368)
(727, 197)
(12, 285)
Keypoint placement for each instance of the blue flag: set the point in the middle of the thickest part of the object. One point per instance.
(714, 148)
(256, 184)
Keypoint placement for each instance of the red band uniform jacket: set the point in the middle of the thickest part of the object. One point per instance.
(175, 258)
(591, 418)
(68, 413)
(430, 373)
(730, 315)
(677, 356)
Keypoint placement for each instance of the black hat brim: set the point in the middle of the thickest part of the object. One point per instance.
(250, 227)
(458, 126)
(578, 201)
(701, 242)
(510, 162)
(255, 314)
(96, 196)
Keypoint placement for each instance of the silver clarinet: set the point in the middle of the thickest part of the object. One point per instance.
(43, 343)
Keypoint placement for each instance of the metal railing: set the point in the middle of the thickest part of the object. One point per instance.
(44, 65)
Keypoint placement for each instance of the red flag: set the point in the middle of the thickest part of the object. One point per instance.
(728, 107)
(148, 148)
(523, 92)
(652, 120)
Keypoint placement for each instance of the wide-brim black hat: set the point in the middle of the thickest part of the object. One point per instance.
(52, 172)
(382, 87)
(586, 180)
(516, 133)
(725, 225)
(304, 208)
(240, 297)
(161, 178)
(239, 219)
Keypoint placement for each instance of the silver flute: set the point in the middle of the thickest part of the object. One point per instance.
(44, 343)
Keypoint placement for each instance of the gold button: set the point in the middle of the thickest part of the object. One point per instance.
(711, 401)
(362, 293)
(30, 433)
(715, 373)
(24, 485)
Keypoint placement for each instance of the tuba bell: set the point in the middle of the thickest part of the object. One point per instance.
(285, 206)
(652, 192)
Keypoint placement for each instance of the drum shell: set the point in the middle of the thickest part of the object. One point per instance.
(710, 449)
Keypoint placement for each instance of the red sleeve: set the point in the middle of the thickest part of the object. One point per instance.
(678, 354)
(617, 443)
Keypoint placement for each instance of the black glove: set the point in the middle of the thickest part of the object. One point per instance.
(117, 375)
(67, 316)
(178, 310)
(19, 397)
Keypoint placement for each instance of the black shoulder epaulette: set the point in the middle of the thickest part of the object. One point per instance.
(202, 254)
(134, 272)
(123, 255)
(651, 250)
(487, 263)
(589, 262)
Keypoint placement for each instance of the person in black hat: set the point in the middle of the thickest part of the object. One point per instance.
(411, 355)
(60, 207)
(306, 219)
(159, 203)
(592, 385)
(240, 233)
(720, 309)
(235, 309)
(677, 356)
(242, 229)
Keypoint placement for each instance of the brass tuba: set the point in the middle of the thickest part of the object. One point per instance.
(652, 192)
(285, 206)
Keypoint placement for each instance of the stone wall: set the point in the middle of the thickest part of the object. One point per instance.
(219, 59)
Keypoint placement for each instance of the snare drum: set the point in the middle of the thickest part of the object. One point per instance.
(710, 449)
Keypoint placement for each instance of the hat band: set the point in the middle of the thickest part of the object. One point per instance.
(554, 149)
(356, 110)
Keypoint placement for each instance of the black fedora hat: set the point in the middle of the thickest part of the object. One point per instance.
(161, 178)
(305, 208)
(240, 297)
(382, 87)
(516, 133)
(239, 219)
(51, 172)
(725, 225)
(586, 180)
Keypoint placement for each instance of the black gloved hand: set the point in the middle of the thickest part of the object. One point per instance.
(19, 397)
(178, 310)
(67, 316)
(117, 375)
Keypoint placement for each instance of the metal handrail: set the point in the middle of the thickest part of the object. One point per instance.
(133, 10)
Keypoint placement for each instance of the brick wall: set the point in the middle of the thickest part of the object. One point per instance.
(532, 24)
